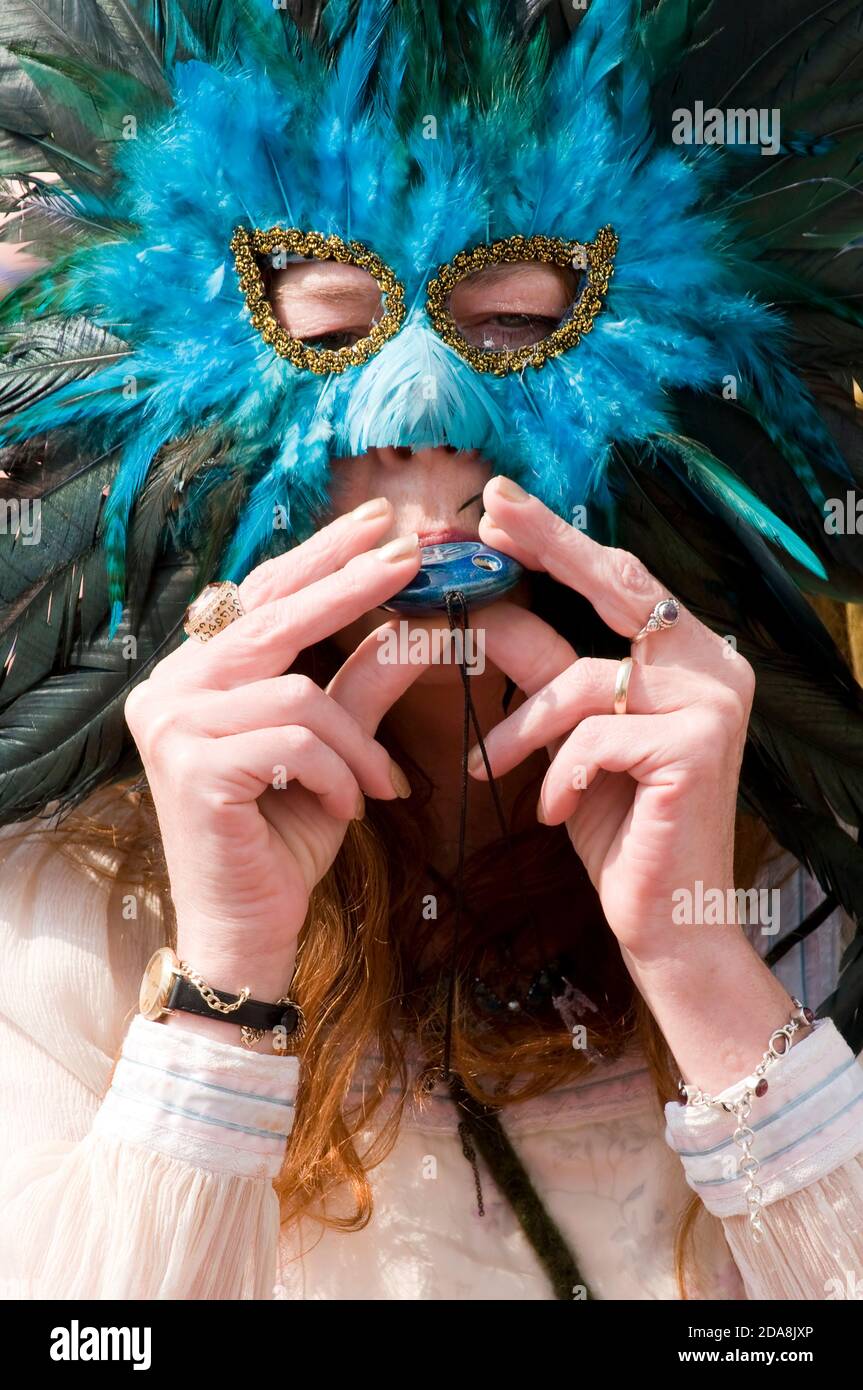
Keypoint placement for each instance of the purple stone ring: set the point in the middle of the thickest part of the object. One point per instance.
(665, 614)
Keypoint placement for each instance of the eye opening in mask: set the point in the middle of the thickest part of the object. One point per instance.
(593, 260)
(250, 246)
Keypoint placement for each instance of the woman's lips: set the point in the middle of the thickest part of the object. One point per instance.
(449, 533)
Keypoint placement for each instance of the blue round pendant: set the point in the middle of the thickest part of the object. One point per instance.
(469, 567)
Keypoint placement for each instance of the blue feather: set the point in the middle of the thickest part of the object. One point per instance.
(318, 138)
(128, 482)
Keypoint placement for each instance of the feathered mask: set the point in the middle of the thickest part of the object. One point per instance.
(693, 402)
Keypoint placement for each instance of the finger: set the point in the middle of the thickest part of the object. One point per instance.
(267, 641)
(292, 700)
(374, 677)
(522, 645)
(328, 550)
(249, 763)
(495, 536)
(645, 746)
(621, 589)
(585, 688)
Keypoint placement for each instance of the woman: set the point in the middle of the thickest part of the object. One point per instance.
(429, 960)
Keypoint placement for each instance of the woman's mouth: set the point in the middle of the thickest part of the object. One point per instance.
(448, 533)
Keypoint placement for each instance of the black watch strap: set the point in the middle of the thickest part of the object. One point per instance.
(254, 1013)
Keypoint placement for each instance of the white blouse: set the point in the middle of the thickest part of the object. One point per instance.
(136, 1161)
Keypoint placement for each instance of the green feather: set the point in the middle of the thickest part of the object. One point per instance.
(41, 293)
(666, 32)
(718, 481)
(99, 98)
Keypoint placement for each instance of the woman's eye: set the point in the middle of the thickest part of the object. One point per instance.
(513, 305)
(331, 341)
(326, 305)
(498, 332)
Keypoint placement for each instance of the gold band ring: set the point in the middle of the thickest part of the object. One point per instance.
(621, 685)
(216, 606)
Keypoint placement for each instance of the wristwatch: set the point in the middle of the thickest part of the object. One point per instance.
(166, 986)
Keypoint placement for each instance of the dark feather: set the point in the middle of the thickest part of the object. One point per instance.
(735, 437)
(110, 32)
(69, 515)
(40, 358)
(807, 723)
(845, 1004)
(64, 738)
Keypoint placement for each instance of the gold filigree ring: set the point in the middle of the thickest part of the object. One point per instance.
(595, 257)
(247, 245)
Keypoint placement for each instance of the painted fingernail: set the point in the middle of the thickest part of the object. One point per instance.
(376, 506)
(474, 759)
(510, 490)
(540, 814)
(400, 548)
(400, 783)
(361, 808)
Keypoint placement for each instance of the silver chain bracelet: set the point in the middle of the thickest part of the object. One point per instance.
(741, 1109)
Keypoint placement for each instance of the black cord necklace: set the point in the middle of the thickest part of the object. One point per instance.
(480, 1129)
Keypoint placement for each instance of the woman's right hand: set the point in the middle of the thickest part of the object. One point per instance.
(254, 773)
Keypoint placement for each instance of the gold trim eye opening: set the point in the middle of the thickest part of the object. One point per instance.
(595, 258)
(247, 245)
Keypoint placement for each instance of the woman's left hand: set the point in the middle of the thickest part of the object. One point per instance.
(649, 797)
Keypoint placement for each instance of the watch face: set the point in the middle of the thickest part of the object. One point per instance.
(156, 983)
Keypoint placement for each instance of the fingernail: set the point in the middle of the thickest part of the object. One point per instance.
(400, 548)
(361, 808)
(510, 490)
(375, 507)
(474, 759)
(540, 814)
(399, 781)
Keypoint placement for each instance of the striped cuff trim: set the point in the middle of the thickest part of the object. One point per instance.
(211, 1103)
(809, 1123)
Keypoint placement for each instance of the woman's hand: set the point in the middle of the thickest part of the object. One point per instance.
(649, 797)
(255, 774)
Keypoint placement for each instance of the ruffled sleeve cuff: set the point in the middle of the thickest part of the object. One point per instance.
(809, 1123)
(169, 1195)
(208, 1103)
